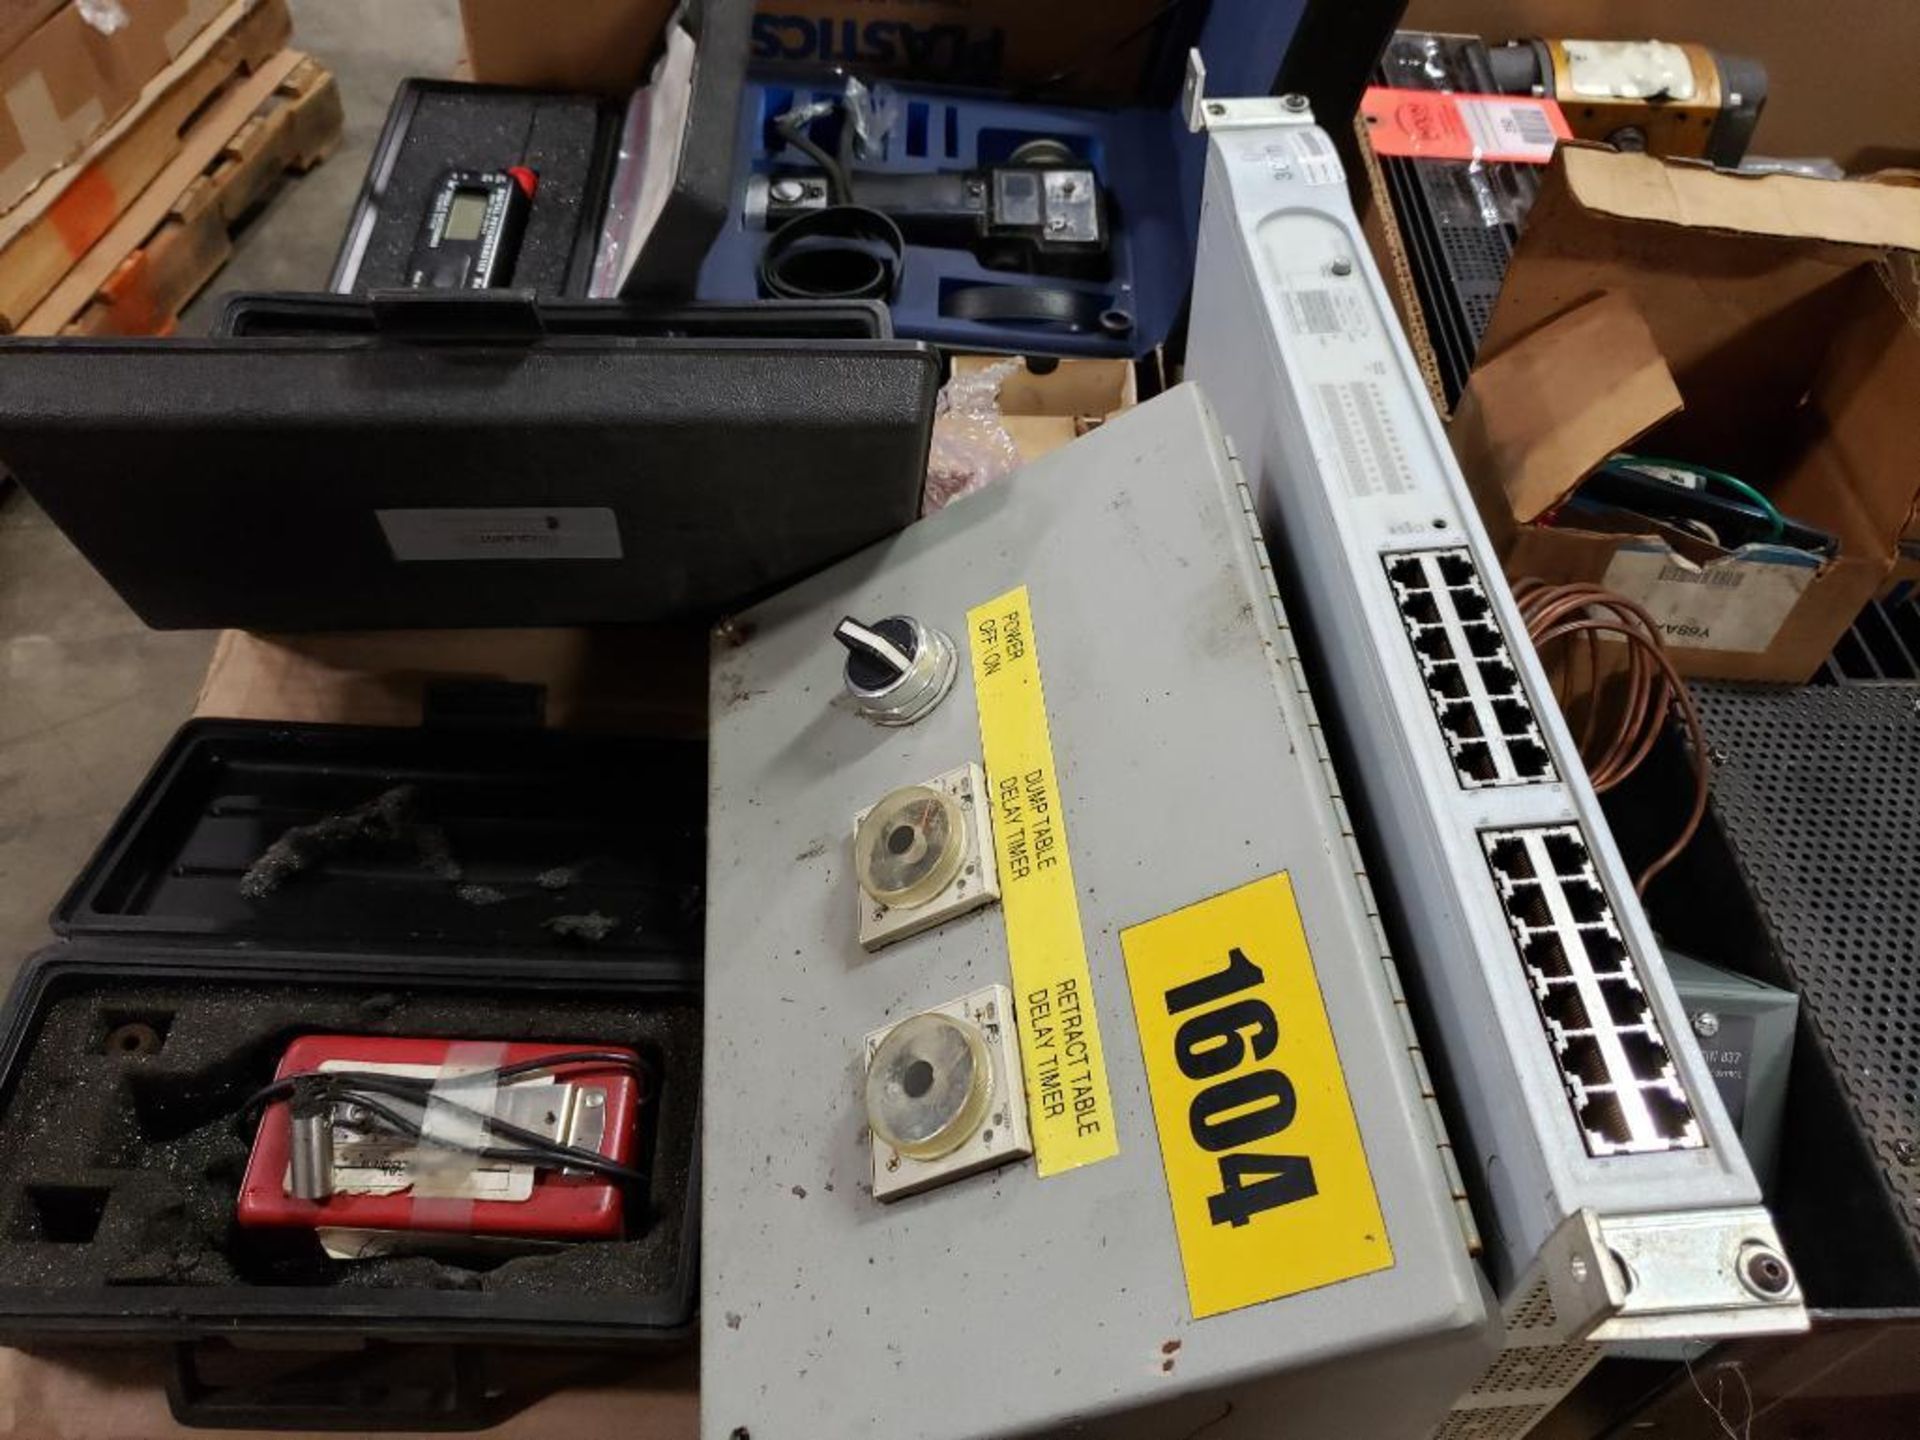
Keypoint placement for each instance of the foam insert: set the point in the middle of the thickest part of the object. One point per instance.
(456, 128)
(1132, 151)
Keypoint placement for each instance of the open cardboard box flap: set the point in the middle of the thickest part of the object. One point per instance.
(1041, 412)
(1537, 418)
(1787, 207)
(1726, 269)
(1766, 325)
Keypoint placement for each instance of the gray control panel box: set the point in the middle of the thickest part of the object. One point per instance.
(1186, 781)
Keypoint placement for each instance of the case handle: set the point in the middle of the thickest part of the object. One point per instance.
(483, 705)
(378, 1387)
(481, 316)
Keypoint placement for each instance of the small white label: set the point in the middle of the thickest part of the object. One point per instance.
(1312, 312)
(1736, 606)
(1329, 309)
(577, 532)
(1508, 127)
(1319, 161)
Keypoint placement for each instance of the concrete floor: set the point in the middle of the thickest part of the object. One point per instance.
(88, 695)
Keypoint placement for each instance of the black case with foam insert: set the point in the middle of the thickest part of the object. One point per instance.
(433, 126)
(667, 155)
(127, 1046)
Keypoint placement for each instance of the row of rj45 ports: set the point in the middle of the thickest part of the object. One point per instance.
(1614, 1063)
(1484, 714)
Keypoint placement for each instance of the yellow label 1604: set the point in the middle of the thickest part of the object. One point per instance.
(1265, 1169)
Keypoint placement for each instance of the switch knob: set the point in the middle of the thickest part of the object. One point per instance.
(897, 669)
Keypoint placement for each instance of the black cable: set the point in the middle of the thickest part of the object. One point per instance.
(541, 1150)
(352, 1087)
(546, 1152)
(1075, 310)
(844, 252)
(793, 129)
(570, 1059)
(355, 1092)
(604, 1059)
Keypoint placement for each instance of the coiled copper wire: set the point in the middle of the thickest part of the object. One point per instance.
(1587, 614)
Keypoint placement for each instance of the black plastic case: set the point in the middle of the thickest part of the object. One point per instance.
(91, 1138)
(424, 460)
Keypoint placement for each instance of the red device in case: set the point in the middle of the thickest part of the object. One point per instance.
(558, 1206)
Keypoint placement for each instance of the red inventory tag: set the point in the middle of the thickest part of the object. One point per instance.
(1428, 125)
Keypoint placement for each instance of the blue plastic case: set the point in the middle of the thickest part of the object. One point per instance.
(1144, 155)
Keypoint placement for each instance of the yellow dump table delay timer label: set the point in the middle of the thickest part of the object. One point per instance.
(1066, 1070)
(1269, 1182)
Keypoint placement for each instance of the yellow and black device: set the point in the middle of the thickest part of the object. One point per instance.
(1666, 98)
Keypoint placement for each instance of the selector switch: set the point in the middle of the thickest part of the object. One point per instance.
(897, 669)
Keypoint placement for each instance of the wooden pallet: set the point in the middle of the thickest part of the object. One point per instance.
(43, 236)
(163, 251)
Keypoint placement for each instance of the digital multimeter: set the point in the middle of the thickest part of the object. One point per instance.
(471, 236)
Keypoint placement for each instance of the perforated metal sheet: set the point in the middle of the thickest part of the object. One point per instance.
(1818, 791)
(1502, 1422)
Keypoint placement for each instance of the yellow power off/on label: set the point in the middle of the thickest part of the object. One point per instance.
(1069, 1105)
(1265, 1169)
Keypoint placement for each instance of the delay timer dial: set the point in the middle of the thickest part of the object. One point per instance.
(897, 669)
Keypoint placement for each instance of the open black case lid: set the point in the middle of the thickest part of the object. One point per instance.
(418, 461)
(477, 836)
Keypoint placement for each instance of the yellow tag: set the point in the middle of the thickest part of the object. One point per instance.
(1268, 1179)
(1071, 1110)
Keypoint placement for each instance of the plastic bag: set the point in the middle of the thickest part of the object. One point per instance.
(873, 112)
(106, 16)
(971, 448)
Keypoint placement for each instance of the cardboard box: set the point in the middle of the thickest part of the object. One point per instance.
(603, 46)
(1042, 412)
(1768, 326)
(62, 222)
(1380, 226)
(629, 679)
(1106, 45)
(995, 415)
(20, 18)
(608, 45)
(66, 82)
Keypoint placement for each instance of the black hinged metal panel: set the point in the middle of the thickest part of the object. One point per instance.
(1818, 794)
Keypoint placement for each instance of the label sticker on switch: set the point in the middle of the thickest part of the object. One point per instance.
(1070, 1106)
